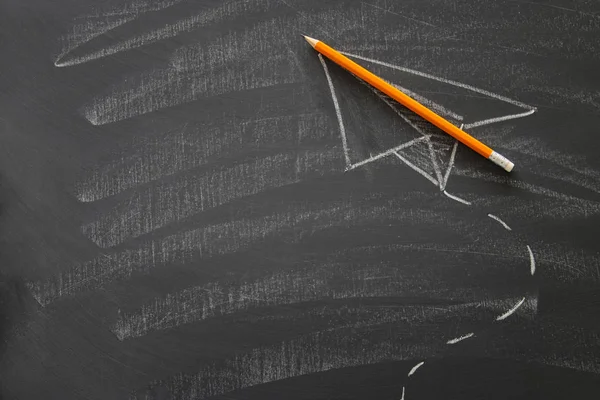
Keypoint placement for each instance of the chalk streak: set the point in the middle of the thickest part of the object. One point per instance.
(338, 112)
(460, 338)
(403, 390)
(224, 238)
(417, 169)
(199, 72)
(415, 368)
(511, 311)
(531, 260)
(304, 355)
(310, 283)
(453, 197)
(508, 228)
(226, 10)
(436, 167)
(155, 207)
(91, 26)
(152, 159)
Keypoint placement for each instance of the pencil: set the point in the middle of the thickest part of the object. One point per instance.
(410, 103)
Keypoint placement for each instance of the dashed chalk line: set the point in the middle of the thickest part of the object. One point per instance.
(415, 368)
(504, 224)
(531, 260)
(453, 197)
(460, 338)
(511, 311)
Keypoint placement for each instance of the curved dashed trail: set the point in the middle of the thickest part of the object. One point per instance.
(435, 175)
(507, 314)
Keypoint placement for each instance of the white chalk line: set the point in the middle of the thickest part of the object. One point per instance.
(403, 390)
(498, 119)
(511, 311)
(415, 368)
(338, 112)
(531, 260)
(436, 167)
(460, 338)
(504, 224)
(450, 164)
(387, 152)
(453, 197)
(417, 169)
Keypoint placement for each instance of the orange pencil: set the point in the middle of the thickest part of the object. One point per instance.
(410, 103)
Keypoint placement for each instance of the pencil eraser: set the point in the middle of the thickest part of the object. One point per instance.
(501, 161)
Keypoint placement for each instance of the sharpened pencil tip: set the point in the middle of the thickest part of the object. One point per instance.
(311, 41)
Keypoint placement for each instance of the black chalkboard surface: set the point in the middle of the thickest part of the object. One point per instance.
(194, 204)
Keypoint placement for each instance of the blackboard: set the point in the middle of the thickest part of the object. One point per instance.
(194, 204)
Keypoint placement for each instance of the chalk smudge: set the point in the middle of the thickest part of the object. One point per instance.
(191, 146)
(90, 26)
(155, 207)
(224, 12)
(200, 72)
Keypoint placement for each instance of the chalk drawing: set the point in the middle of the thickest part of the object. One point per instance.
(441, 181)
(198, 303)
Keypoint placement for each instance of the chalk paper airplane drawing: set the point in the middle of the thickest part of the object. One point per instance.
(418, 144)
(426, 149)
